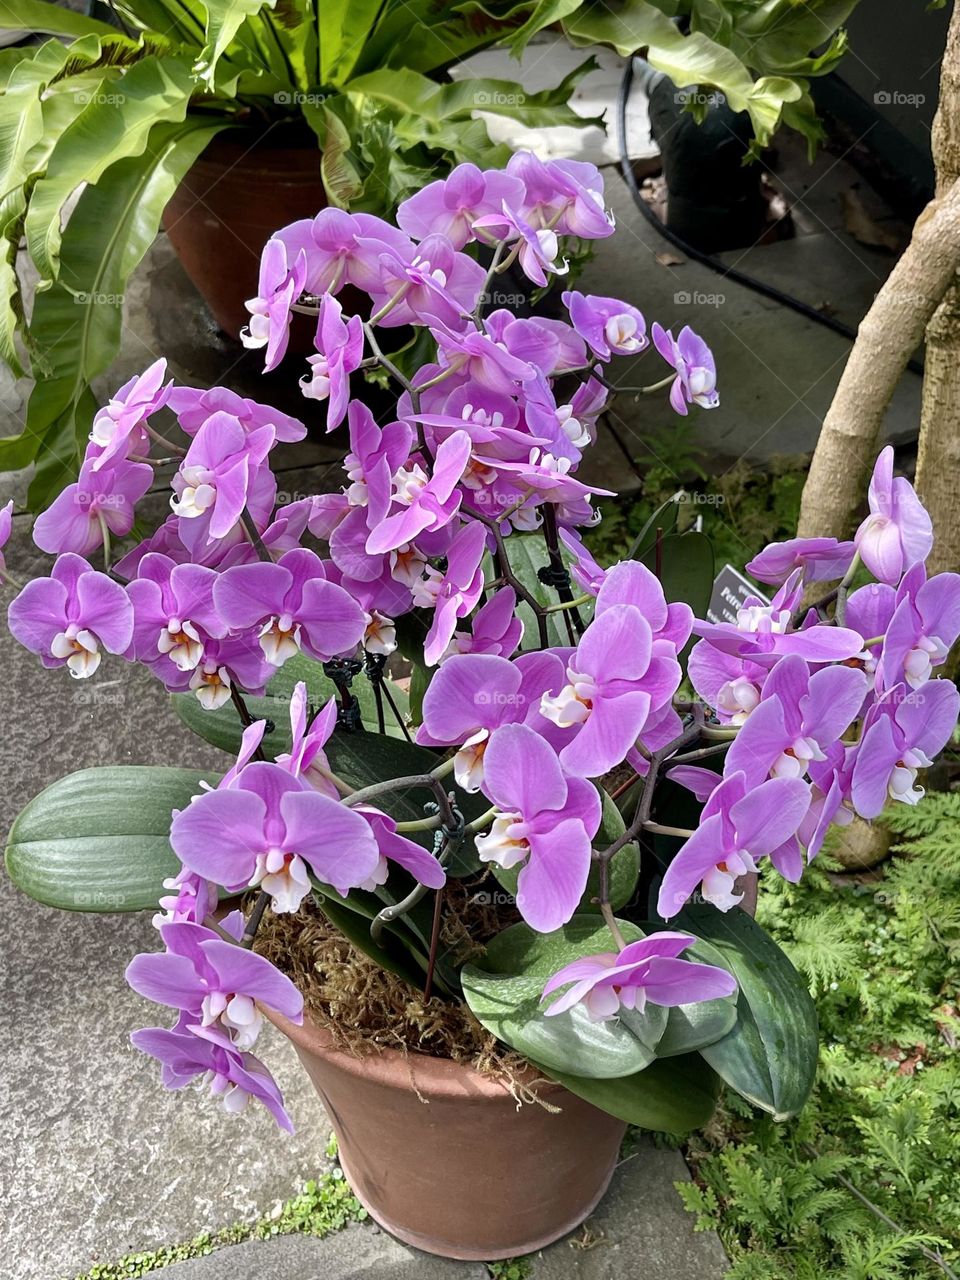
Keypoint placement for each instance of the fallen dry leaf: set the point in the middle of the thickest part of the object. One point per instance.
(669, 259)
(863, 228)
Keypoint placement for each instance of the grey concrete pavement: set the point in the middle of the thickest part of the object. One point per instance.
(640, 1218)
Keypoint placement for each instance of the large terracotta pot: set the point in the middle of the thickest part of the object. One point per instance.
(235, 196)
(442, 1157)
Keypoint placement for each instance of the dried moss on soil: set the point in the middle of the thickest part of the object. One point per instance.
(367, 1009)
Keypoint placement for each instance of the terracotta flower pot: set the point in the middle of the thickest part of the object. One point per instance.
(443, 1159)
(235, 196)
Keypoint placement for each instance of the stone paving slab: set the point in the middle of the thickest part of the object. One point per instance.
(640, 1228)
(639, 1222)
(358, 1251)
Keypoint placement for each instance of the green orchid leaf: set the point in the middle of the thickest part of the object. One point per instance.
(686, 569)
(504, 994)
(770, 1055)
(395, 953)
(99, 839)
(663, 519)
(694, 1026)
(672, 1096)
(224, 730)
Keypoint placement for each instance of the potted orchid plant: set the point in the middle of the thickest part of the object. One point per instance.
(531, 792)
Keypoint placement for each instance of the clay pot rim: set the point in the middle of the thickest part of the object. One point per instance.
(407, 1072)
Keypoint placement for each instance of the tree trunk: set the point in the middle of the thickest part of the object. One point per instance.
(938, 462)
(887, 335)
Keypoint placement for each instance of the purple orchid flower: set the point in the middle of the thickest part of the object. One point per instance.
(567, 194)
(97, 500)
(436, 283)
(538, 248)
(191, 899)
(547, 822)
(174, 616)
(495, 629)
(478, 357)
(340, 353)
(763, 632)
(215, 982)
(453, 593)
(428, 503)
(584, 570)
(821, 559)
(632, 583)
(270, 829)
(68, 617)
(648, 970)
(489, 418)
(291, 605)
(616, 676)
(696, 380)
(233, 1077)
(799, 716)
(344, 249)
(123, 417)
(217, 474)
(397, 848)
(6, 528)
(306, 758)
(901, 735)
(547, 476)
(225, 662)
(376, 453)
(898, 532)
(473, 694)
(608, 326)
(194, 406)
(922, 630)
(552, 346)
(870, 610)
(738, 825)
(281, 283)
(450, 206)
(729, 684)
